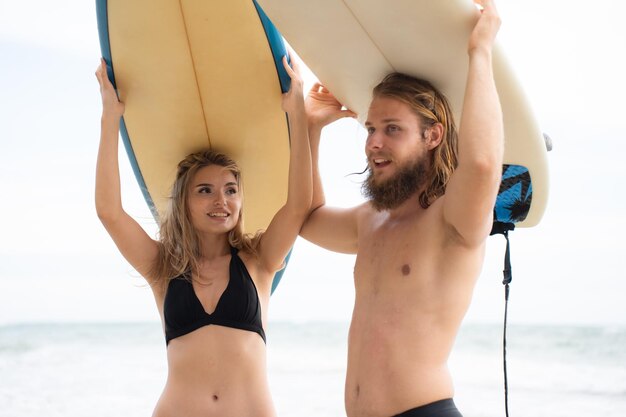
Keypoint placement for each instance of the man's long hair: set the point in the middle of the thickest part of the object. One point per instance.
(431, 107)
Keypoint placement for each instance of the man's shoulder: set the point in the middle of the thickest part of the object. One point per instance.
(365, 209)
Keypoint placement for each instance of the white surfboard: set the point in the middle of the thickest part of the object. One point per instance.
(351, 45)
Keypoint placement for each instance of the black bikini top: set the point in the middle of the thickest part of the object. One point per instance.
(238, 306)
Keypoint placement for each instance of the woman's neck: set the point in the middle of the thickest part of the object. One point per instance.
(213, 247)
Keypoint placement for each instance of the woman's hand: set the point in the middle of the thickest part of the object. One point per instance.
(111, 105)
(294, 98)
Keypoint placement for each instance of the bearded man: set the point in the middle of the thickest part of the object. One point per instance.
(420, 237)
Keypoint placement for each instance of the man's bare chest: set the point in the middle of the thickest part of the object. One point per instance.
(396, 252)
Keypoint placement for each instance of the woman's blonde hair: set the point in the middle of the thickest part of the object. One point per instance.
(431, 107)
(179, 244)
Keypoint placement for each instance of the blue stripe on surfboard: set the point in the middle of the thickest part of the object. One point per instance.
(279, 275)
(277, 46)
(105, 48)
(103, 32)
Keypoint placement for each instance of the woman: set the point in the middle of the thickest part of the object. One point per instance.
(211, 282)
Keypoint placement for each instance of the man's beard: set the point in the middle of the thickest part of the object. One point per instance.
(396, 190)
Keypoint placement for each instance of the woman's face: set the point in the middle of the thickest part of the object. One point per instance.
(214, 200)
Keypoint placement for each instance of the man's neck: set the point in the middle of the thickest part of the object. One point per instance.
(407, 209)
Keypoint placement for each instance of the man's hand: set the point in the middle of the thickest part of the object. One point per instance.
(486, 28)
(322, 108)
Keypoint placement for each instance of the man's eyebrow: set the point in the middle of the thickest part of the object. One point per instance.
(391, 119)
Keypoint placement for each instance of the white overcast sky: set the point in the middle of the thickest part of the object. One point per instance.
(57, 263)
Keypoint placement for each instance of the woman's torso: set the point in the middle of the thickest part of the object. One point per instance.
(216, 367)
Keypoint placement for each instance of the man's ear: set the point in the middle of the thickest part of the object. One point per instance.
(434, 136)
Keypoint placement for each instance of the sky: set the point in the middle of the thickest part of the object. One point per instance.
(58, 264)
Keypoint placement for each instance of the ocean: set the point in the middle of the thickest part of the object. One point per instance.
(98, 369)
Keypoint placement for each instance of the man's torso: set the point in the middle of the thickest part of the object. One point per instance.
(414, 279)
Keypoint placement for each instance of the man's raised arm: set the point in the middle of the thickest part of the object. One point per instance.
(331, 228)
(472, 190)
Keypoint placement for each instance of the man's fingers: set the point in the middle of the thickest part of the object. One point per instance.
(316, 87)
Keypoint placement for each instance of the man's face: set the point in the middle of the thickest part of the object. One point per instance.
(395, 137)
(397, 154)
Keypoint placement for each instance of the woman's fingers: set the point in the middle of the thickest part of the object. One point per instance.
(287, 66)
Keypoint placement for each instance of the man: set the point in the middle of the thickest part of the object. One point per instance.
(420, 239)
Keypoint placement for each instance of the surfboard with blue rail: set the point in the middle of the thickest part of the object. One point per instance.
(197, 74)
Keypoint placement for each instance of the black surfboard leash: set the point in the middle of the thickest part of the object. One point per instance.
(504, 229)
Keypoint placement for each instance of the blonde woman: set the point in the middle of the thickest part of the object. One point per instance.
(211, 282)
